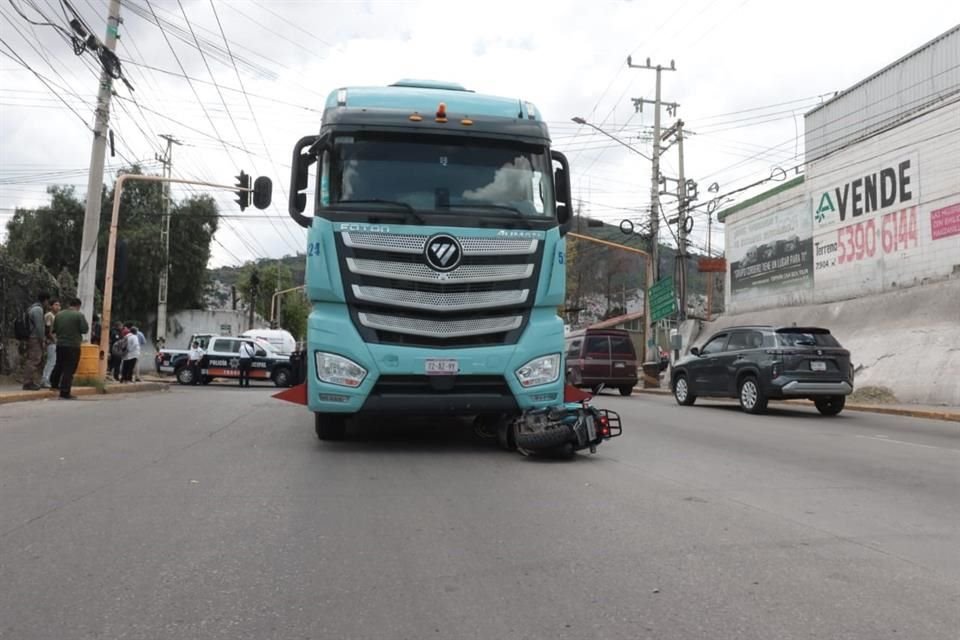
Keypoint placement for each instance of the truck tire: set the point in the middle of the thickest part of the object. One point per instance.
(282, 376)
(330, 426)
(626, 390)
(541, 440)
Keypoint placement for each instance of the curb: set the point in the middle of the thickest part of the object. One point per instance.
(26, 396)
(948, 416)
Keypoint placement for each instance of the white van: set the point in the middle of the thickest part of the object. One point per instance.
(282, 341)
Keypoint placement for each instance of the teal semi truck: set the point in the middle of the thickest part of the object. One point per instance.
(435, 256)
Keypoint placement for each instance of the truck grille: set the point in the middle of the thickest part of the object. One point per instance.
(396, 297)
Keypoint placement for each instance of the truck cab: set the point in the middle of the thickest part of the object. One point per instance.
(435, 257)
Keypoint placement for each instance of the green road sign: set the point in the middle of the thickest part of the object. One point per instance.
(663, 300)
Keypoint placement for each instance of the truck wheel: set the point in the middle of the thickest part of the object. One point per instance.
(282, 377)
(831, 405)
(540, 440)
(626, 390)
(185, 375)
(330, 426)
(752, 399)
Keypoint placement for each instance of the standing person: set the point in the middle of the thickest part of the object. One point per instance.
(51, 339)
(193, 361)
(31, 369)
(246, 361)
(132, 354)
(142, 340)
(69, 326)
(117, 349)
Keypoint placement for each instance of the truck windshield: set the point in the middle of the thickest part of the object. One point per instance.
(439, 176)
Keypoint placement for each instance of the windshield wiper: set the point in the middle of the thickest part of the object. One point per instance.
(393, 203)
(513, 211)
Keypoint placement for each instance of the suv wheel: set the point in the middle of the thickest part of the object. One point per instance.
(831, 405)
(751, 397)
(681, 391)
(330, 426)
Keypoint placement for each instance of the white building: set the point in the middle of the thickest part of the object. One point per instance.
(878, 205)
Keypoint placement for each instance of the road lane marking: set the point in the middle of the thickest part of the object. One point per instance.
(912, 444)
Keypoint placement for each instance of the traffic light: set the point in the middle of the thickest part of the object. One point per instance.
(262, 192)
(243, 196)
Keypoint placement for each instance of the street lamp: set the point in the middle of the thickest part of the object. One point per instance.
(583, 122)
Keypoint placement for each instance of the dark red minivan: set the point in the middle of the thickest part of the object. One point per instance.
(601, 357)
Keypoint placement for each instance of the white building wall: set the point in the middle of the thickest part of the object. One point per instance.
(896, 246)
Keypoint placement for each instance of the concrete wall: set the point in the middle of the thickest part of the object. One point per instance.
(907, 340)
(183, 324)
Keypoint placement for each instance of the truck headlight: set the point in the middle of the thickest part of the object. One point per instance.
(543, 370)
(338, 370)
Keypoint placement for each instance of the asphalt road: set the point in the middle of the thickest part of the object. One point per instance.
(215, 513)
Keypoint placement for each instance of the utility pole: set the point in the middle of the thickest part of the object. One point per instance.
(654, 179)
(167, 161)
(682, 223)
(87, 272)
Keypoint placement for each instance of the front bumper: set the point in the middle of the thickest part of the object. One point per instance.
(396, 382)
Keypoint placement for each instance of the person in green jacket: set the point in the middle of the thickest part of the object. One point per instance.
(69, 326)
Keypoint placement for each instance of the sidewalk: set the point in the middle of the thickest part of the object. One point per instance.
(932, 412)
(14, 393)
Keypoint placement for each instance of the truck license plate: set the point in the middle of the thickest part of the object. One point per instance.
(442, 366)
(818, 365)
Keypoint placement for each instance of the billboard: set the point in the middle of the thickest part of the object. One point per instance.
(864, 217)
(771, 253)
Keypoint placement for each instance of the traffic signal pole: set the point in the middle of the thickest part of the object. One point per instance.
(112, 250)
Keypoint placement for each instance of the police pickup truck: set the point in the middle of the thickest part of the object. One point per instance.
(221, 359)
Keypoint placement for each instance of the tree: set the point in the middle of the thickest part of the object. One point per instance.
(272, 276)
(52, 234)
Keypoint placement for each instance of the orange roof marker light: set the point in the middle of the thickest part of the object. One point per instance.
(466, 122)
(442, 112)
(416, 117)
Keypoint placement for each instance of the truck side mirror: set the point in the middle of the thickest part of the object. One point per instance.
(561, 188)
(299, 178)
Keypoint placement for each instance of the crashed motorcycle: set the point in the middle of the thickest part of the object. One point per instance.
(560, 431)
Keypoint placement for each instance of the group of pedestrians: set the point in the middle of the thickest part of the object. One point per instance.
(126, 343)
(60, 333)
(53, 337)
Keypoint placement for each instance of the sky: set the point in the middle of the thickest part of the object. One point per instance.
(746, 72)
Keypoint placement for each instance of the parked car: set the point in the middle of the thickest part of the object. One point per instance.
(757, 363)
(604, 357)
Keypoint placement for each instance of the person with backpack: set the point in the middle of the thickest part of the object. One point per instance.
(69, 327)
(29, 328)
(118, 348)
